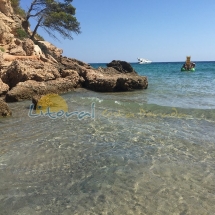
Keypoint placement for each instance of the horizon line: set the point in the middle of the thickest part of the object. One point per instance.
(158, 62)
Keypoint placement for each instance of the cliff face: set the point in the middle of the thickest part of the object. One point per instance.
(5, 7)
(7, 24)
(33, 68)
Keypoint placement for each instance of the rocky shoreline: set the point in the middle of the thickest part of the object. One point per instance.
(29, 68)
(22, 80)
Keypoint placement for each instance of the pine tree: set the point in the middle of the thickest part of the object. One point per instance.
(54, 16)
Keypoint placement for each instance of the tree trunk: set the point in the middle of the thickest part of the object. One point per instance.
(30, 9)
(35, 29)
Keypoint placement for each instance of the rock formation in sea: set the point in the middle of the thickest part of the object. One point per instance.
(34, 68)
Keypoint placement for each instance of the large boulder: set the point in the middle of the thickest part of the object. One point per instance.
(105, 80)
(131, 83)
(18, 51)
(110, 79)
(20, 71)
(121, 66)
(28, 89)
(22, 48)
(4, 88)
(28, 47)
(50, 50)
(118, 76)
(4, 109)
(71, 63)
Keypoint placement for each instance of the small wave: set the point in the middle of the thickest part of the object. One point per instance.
(137, 110)
(116, 102)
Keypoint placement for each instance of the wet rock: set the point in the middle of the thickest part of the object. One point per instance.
(131, 83)
(121, 66)
(35, 99)
(4, 109)
(110, 79)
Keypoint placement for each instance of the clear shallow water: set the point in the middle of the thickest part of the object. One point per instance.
(144, 153)
(170, 87)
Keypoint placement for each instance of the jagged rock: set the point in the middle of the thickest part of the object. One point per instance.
(35, 99)
(50, 58)
(71, 63)
(106, 79)
(68, 72)
(1, 59)
(42, 56)
(18, 51)
(28, 47)
(4, 88)
(131, 83)
(20, 71)
(18, 42)
(50, 49)
(25, 90)
(5, 7)
(121, 66)
(6, 36)
(38, 51)
(17, 23)
(8, 27)
(99, 83)
(22, 48)
(104, 82)
(28, 89)
(4, 109)
(3, 64)
(11, 46)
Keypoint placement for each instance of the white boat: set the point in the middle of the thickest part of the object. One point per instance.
(143, 61)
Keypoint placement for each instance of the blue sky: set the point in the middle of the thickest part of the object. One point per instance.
(159, 30)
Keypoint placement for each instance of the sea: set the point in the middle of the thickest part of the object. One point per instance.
(148, 152)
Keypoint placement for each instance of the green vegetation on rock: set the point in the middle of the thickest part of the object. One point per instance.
(39, 37)
(17, 9)
(21, 34)
(2, 49)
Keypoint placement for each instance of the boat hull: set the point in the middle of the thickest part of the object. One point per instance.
(144, 62)
(187, 70)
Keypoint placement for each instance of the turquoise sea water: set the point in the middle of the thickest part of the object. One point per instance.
(146, 152)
